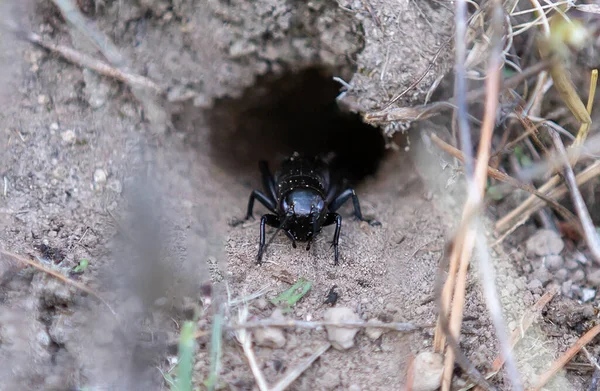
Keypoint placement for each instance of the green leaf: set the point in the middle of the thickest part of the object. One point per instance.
(495, 193)
(185, 363)
(216, 351)
(83, 264)
(291, 296)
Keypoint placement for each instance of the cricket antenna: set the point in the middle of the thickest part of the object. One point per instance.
(287, 217)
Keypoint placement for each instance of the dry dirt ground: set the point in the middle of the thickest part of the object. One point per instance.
(85, 177)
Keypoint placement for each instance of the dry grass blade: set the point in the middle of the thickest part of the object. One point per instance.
(294, 373)
(591, 236)
(526, 322)
(72, 14)
(508, 146)
(566, 357)
(504, 223)
(476, 186)
(245, 339)
(528, 207)
(488, 278)
(410, 374)
(55, 274)
(585, 126)
(468, 368)
(550, 48)
(501, 176)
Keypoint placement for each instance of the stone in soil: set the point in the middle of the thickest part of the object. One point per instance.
(544, 242)
(341, 338)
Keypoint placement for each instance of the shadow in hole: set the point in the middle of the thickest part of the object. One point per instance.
(296, 112)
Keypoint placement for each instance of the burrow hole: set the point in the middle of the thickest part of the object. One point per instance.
(293, 112)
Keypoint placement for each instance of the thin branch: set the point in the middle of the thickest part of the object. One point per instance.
(501, 176)
(72, 14)
(94, 64)
(475, 188)
(566, 357)
(245, 339)
(460, 83)
(526, 322)
(291, 375)
(55, 274)
(532, 204)
(469, 369)
(400, 327)
(591, 236)
(493, 303)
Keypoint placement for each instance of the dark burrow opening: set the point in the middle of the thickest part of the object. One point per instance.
(293, 112)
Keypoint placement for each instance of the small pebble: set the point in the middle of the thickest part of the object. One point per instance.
(373, 332)
(594, 277)
(68, 136)
(588, 294)
(43, 338)
(115, 185)
(354, 387)
(542, 274)
(99, 177)
(535, 286)
(575, 291)
(341, 338)
(579, 257)
(553, 262)
(330, 380)
(271, 337)
(561, 275)
(578, 275)
(544, 242)
(571, 264)
(261, 303)
(389, 307)
(566, 288)
(428, 369)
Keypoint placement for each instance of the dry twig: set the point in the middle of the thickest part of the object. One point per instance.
(55, 274)
(291, 375)
(591, 236)
(525, 210)
(245, 339)
(461, 252)
(501, 176)
(505, 222)
(94, 64)
(526, 322)
(400, 327)
(72, 14)
(469, 369)
(566, 357)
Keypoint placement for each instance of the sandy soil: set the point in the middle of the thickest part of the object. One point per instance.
(87, 177)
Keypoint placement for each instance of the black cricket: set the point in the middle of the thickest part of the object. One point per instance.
(303, 197)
